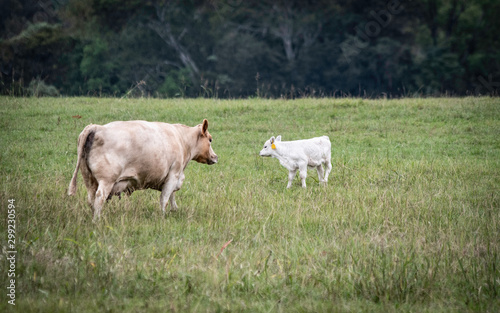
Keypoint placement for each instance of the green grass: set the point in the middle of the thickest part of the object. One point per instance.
(409, 220)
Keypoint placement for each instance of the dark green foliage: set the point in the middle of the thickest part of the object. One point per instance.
(234, 49)
(39, 88)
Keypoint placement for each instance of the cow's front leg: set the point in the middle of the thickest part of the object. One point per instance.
(173, 204)
(291, 176)
(167, 190)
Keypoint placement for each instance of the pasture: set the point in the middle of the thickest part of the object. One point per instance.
(409, 220)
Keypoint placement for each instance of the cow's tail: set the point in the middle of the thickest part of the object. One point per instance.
(82, 139)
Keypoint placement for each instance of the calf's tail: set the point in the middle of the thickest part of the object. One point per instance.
(328, 147)
(82, 139)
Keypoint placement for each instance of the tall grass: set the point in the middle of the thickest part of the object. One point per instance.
(409, 220)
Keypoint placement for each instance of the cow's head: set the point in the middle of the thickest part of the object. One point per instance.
(269, 146)
(205, 153)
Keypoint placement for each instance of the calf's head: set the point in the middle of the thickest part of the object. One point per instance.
(269, 146)
(205, 153)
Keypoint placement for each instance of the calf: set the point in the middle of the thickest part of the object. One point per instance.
(301, 154)
(126, 156)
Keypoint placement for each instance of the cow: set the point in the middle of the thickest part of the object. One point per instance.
(124, 156)
(301, 154)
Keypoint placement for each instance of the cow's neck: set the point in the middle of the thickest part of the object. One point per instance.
(190, 144)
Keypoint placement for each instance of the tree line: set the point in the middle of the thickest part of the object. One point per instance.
(236, 48)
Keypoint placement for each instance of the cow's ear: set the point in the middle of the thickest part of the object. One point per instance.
(278, 138)
(204, 127)
(272, 139)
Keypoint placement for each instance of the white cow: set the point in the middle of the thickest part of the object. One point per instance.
(121, 157)
(301, 154)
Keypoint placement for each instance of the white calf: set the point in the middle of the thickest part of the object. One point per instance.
(300, 154)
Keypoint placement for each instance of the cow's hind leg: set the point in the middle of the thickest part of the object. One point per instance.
(92, 186)
(100, 196)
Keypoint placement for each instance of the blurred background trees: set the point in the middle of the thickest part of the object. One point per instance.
(236, 48)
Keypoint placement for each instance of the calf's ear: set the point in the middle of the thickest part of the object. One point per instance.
(278, 138)
(272, 139)
(204, 127)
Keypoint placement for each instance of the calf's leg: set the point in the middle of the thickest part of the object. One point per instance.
(328, 166)
(291, 175)
(319, 168)
(303, 175)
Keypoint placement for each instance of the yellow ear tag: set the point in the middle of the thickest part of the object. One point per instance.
(273, 146)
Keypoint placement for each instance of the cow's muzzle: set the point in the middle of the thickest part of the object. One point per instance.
(213, 159)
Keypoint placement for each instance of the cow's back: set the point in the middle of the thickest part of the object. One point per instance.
(136, 150)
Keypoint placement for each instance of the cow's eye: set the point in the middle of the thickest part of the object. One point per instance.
(265, 147)
(210, 139)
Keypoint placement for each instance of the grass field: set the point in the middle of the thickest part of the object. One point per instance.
(409, 221)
